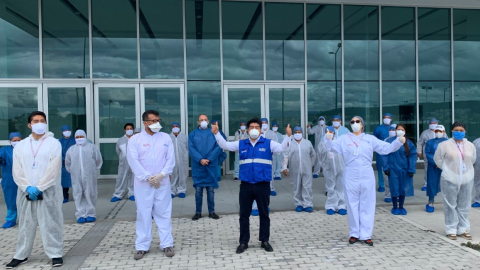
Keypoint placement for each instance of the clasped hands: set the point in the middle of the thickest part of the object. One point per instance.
(155, 180)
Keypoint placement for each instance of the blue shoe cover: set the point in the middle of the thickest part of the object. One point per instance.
(131, 198)
(330, 212)
(255, 212)
(268, 209)
(429, 208)
(173, 196)
(381, 189)
(424, 188)
(402, 211)
(81, 220)
(277, 178)
(394, 211)
(476, 204)
(65, 200)
(342, 212)
(308, 209)
(91, 219)
(389, 200)
(115, 199)
(273, 193)
(9, 224)
(315, 176)
(181, 195)
(299, 208)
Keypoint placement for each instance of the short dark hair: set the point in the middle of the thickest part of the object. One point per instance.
(146, 113)
(254, 120)
(201, 115)
(35, 113)
(128, 124)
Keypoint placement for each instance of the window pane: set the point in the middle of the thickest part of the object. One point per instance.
(324, 53)
(114, 38)
(19, 49)
(203, 39)
(398, 67)
(66, 106)
(204, 98)
(467, 101)
(284, 41)
(165, 100)
(16, 104)
(285, 107)
(110, 158)
(362, 95)
(161, 39)
(434, 71)
(242, 41)
(243, 105)
(116, 108)
(65, 39)
(321, 101)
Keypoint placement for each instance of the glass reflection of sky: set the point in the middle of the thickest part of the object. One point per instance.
(15, 105)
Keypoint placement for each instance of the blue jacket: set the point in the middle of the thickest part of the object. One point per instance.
(255, 162)
(6, 153)
(400, 165)
(381, 132)
(66, 144)
(203, 145)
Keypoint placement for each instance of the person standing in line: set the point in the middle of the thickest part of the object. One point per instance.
(180, 172)
(37, 165)
(476, 179)
(83, 160)
(391, 134)
(434, 173)
(125, 176)
(382, 132)
(66, 141)
(277, 158)
(337, 126)
(241, 134)
(319, 132)
(426, 135)
(8, 184)
(151, 156)
(267, 133)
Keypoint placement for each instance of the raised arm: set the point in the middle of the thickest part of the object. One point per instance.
(384, 148)
(229, 146)
(333, 145)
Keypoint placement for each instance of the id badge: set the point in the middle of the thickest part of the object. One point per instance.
(464, 168)
(356, 152)
(34, 165)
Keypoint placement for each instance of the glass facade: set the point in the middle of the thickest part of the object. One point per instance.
(16, 103)
(66, 106)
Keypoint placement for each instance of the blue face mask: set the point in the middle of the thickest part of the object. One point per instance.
(458, 135)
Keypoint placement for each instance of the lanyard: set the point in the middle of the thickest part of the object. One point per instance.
(355, 142)
(34, 153)
(460, 150)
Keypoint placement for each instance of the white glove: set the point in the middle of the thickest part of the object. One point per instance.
(155, 180)
(401, 139)
(329, 136)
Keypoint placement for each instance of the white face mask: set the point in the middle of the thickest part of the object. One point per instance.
(80, 140)
(176, 130)
(129, 132)
(155, 127)
(67, 133)
(275, 128)
(264, 127)
(439, 135)
(297, 136)
(432, 126)
(243, 127)
(336, 123)
(39, 128)
(254, 133)
(321, 122)
(387, 121)
(392, 133)
(13, 143)
(204, 124)
(356, 127)
(400, 133)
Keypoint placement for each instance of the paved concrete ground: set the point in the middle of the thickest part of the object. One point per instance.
(301, 240)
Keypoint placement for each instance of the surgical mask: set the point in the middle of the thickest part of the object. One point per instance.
(387, 121)
(80, 140)
(204, 124)
(254, 133)
(392, 133)
(321, 122)
(264, 127)
(336, 123)
(432, 126)
(129, 132)
(458, 135)
(155, 127)
(297, 136)
(67, 133)
(275, 128)
(13, 143)
(39, 128)
(176, 130)
(400, 133)
(356, 127)
(439, 135)
(243, 127)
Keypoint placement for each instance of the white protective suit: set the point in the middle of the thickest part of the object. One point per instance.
(358, 178)
(422, 142)
(301, 158)
(125, 175)
(238, 136)
(456, 182)
(319, 132)
(46, 213)
(269, 134)
(83, 161)
(180, 172)
(277, 157)
(476, 166)
(333, 166)
(149, 155)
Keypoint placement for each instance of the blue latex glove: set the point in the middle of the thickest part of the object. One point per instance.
(33, 191)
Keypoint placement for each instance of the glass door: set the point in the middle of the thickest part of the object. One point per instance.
(115, 105)
(286, 105)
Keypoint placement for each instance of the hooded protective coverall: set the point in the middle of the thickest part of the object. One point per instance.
(8, 185)
(476, 143)
(149, 155)
(66, 144)
(456, 162)
(319, 132)
(180, 172)
(399, 165)
(358, 178)
(82, 162)
(422, 142)
(38, 164)
(333, 166)
(433, 173)
(125, 174)
(301, 158)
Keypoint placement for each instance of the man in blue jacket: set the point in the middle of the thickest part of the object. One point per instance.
(204, 153)
(66, 141)
(256, 158)
(382, 132)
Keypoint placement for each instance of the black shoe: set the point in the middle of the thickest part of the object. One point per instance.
(213, 215)
(14, 263)
(241, 248)
(352, 240)
(267, 246)
(56, 262)
(236, 178)
(368, 242)
(197, 217)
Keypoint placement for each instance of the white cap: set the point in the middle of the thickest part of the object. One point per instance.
(440, 127)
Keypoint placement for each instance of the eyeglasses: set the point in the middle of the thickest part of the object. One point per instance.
(154, 120)
(355, 121)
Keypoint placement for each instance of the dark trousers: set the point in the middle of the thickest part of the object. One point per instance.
(259, 192)
(65, 192)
